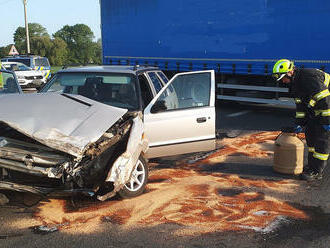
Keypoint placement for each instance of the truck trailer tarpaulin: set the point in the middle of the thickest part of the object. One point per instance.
(242, 37)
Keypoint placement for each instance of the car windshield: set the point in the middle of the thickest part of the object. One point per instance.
(8, 83)
(16, 67)
(22, 67)
(118, 90)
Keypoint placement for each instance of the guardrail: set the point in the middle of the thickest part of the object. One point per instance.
(275, 101)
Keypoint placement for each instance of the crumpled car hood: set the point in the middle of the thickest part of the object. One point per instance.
(68, 123)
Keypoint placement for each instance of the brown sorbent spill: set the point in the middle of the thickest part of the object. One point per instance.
(185, 196)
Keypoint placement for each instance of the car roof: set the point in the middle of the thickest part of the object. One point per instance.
(110, 68)
(23, 56)
(12, 63)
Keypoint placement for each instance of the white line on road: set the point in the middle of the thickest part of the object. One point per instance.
(239, 113)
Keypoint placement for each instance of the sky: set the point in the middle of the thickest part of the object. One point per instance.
(52, 15)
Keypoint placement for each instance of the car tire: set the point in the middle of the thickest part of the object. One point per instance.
(138, 181)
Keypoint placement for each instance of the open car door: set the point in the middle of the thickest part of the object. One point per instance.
(181, 118)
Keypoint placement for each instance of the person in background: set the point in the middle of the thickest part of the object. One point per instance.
(1, 77)
(312, 98)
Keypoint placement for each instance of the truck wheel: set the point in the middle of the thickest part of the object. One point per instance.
(136, 185)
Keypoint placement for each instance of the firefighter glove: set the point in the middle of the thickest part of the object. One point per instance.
(298, 129)
(326, 127)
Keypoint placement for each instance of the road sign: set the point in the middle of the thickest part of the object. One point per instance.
(13, 51)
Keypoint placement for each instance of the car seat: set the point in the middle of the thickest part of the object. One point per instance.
(11, 86)
(91, 88)
(127, 94)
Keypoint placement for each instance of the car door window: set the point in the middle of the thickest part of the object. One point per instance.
(155, 81)
(162, 76)
(187, 91)
(8, 83)
(146, 92)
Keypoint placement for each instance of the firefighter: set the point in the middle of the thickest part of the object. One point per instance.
(312, 98)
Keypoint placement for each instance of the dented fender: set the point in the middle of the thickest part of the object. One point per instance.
(124, 165)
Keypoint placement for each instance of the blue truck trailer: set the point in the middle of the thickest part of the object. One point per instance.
(238, 39)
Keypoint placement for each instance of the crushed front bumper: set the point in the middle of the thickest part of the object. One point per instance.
(43, 191)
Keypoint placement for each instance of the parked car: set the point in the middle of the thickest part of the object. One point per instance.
(92, 129)
(8, 83)
(27, 77)
(35, 62)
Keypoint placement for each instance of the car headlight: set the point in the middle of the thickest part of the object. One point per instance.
(20, 77)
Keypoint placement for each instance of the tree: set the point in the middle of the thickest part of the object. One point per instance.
(97, 56)
(69, 45)
(4, 51)
(35, 31)
(41, 45)
(79, 39)
(58, 54)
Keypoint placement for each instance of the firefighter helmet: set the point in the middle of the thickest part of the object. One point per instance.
(281, 68)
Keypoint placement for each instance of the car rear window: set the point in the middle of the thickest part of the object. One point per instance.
(163, 77)
(155, 81)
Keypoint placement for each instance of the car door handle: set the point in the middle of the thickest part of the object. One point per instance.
(201, 119)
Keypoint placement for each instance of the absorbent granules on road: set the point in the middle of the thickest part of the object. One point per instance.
(196, 197)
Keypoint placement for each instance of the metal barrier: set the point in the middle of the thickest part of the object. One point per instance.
(275, 101)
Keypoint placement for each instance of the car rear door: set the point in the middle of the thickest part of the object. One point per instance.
(181, 118)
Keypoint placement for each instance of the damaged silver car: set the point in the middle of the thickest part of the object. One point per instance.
(92, 129)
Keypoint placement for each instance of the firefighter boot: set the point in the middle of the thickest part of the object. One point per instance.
(306, 166)
(315, 170)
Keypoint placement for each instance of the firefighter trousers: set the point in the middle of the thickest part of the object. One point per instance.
(318, 142)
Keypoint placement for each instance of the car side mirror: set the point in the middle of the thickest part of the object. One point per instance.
(159, 106)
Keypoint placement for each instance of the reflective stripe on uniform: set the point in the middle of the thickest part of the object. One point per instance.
(324, 112)
(321, 95)
(300, 114)
(312, 103)
(297, 100)
(321, 156)
(326, 79)
(311, 149)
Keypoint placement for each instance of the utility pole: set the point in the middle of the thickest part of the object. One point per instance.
(26, 28)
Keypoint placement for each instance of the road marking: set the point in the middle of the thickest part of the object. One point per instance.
(239, 113)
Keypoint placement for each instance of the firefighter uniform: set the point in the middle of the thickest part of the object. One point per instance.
(311, 91)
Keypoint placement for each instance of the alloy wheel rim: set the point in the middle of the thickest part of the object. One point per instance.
(137, 178)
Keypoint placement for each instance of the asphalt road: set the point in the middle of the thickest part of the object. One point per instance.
(228, 198)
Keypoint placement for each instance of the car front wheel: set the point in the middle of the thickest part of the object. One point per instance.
(137, 183)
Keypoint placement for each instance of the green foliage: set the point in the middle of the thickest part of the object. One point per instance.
(35, 31)
(41, 45)
(70, 45)
(54, 69)
(58, 54)
(4, 51)
(79, 39)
